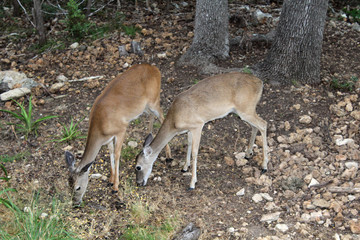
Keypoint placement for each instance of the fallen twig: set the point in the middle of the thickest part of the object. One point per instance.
(320, 185)
(86, 78)
(344, 190)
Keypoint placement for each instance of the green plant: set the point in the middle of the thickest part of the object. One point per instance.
(71, 132)
(195, 81)
(49, 45)
(130, 30)
(37, 221)
(336, 84)
(16, 157)
(292, 183)
(128, 153)
(6, 178)
(141, 230)
(27, 125)
(352, 14)
(247, 70)
(76, 22)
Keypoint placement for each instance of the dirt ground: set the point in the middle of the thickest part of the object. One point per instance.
(298, 150)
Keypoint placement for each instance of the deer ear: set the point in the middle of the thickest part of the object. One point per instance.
(148, 140)
(147, 151)
(70, 160)
(86, 167)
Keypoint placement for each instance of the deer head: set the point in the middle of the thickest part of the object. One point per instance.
(78, 178)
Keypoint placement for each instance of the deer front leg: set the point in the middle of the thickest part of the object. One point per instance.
(112, 162)
(188, 154)
(249, 150)
(118, 144)
(196, 136)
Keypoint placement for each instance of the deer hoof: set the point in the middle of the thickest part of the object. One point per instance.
(182, 170)
(263, 171)
(169, 160)
(110, 184)
(114, 191)
(190, 189)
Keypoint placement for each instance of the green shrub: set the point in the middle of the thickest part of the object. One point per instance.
(348, 86)
(76, 23)
(353, 14)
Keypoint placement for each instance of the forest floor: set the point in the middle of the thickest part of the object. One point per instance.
(306, 129)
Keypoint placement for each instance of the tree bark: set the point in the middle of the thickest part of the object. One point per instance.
(39, 22)
(211, 34)
(294, 56)
(88, 7)
(17, 9)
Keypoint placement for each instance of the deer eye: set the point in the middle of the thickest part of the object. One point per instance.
(138, 168)
(78, 189)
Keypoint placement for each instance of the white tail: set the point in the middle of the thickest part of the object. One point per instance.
(124, 99)
(213, 98)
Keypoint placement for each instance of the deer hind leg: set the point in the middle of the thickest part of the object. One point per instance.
(249, 150)
(119, 139)
(188, 154)
(196, 136)
(156, 110)
(257, 122)
(112, 161)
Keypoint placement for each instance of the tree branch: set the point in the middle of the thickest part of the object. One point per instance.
(27, 15)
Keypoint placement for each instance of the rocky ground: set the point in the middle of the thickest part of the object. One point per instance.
(312, 188)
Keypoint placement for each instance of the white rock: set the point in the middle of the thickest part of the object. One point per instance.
(27, 209)
(126, 65)
(347, 141)
(157, 179)
(241, 162)
(132, 144)
(43, 215)
(14, 94)
(350, 165)
(305, 119)
(74, 45)
(260, 16)
(56, 87)
(267, 197)
(95, 176)
(315, 216)
(351, 198)
(313, 182)
(336, 236)
(231, 229)
(305, 217)
(61, 78)
(281, 227)
(161, 55)
(12, 77)
(257, 198)
(356, 27)
(270, 217)
(241, 192)
(240, 155)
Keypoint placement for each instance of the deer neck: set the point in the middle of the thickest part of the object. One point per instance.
(165, 134)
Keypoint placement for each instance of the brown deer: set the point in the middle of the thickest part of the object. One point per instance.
(124, 99)
(212, 98)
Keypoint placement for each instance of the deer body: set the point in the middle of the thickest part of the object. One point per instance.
(213, 98)
(124, 99)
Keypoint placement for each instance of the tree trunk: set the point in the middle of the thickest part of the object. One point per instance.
(17, 9)
(294, 56)
(211, 39)
(88, 7)
(39, 22)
